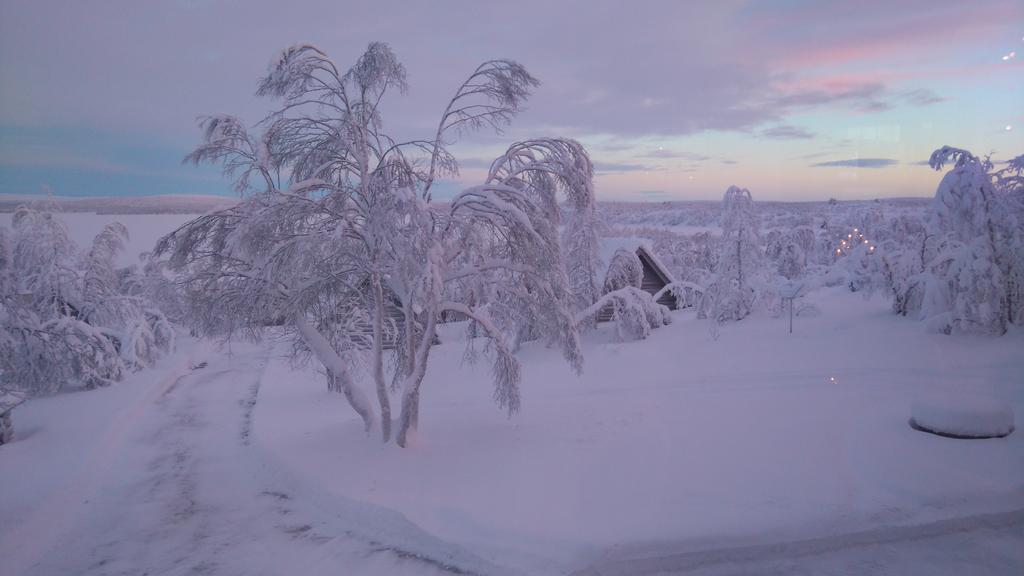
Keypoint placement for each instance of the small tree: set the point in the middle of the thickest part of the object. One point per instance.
(355, 231)
(734, 290)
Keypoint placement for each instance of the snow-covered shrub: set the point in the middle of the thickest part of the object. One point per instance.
(70, 321)
(792, 261)
(634, 312)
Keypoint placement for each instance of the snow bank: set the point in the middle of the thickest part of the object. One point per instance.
(962, 415)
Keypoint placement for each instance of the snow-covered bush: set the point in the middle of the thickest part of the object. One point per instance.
(634, 312)
(70, 320)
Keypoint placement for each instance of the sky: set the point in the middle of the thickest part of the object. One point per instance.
(793, 99)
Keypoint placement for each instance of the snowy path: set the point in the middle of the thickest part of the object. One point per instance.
(984, 544)
(174, 485)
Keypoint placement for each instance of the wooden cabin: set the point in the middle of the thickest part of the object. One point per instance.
(656, 276)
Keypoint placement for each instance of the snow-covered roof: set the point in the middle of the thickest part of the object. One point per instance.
(607, 247)
(9, 400)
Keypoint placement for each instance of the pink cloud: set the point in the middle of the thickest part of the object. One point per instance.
(825, 34)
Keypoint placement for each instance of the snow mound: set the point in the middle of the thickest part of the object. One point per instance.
(963, 416)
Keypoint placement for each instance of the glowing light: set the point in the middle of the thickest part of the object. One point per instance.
(1009, 127)
(832, 379)
(1012, 54)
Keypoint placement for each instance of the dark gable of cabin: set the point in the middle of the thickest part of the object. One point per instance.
(653, 281)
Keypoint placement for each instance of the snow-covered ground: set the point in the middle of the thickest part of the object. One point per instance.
(675, 440)
(728, 450)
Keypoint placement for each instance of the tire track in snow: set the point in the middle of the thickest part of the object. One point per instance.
(178, 485)
(57, 514)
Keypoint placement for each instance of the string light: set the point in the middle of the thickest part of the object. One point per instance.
(847, 245)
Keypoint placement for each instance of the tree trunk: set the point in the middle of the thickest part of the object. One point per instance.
(414, 416)
(325, 353)
(378, 360)
(409, 417)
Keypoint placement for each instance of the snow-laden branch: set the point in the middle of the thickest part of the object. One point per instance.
(634, 312)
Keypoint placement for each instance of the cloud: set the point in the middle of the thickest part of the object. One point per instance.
(857, 163)
(609, 167)
(666, 153)
(787, 132)
(923, 97)
(609, 75)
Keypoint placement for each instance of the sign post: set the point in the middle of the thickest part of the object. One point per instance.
(789, 290)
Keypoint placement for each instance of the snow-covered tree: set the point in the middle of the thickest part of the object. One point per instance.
(983, 235)
(904, 269)
(737, 275)
(352, 231)
(1009, 183)
(69, 320)
(625, 269)
(792, 262)
(789, 250)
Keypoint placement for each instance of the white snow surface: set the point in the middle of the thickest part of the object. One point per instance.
(676, 440)
(738, 449)
(963, 414)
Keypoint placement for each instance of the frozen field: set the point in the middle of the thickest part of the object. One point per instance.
(706, 449)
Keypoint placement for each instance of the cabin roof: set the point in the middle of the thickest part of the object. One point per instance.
(607, 247)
